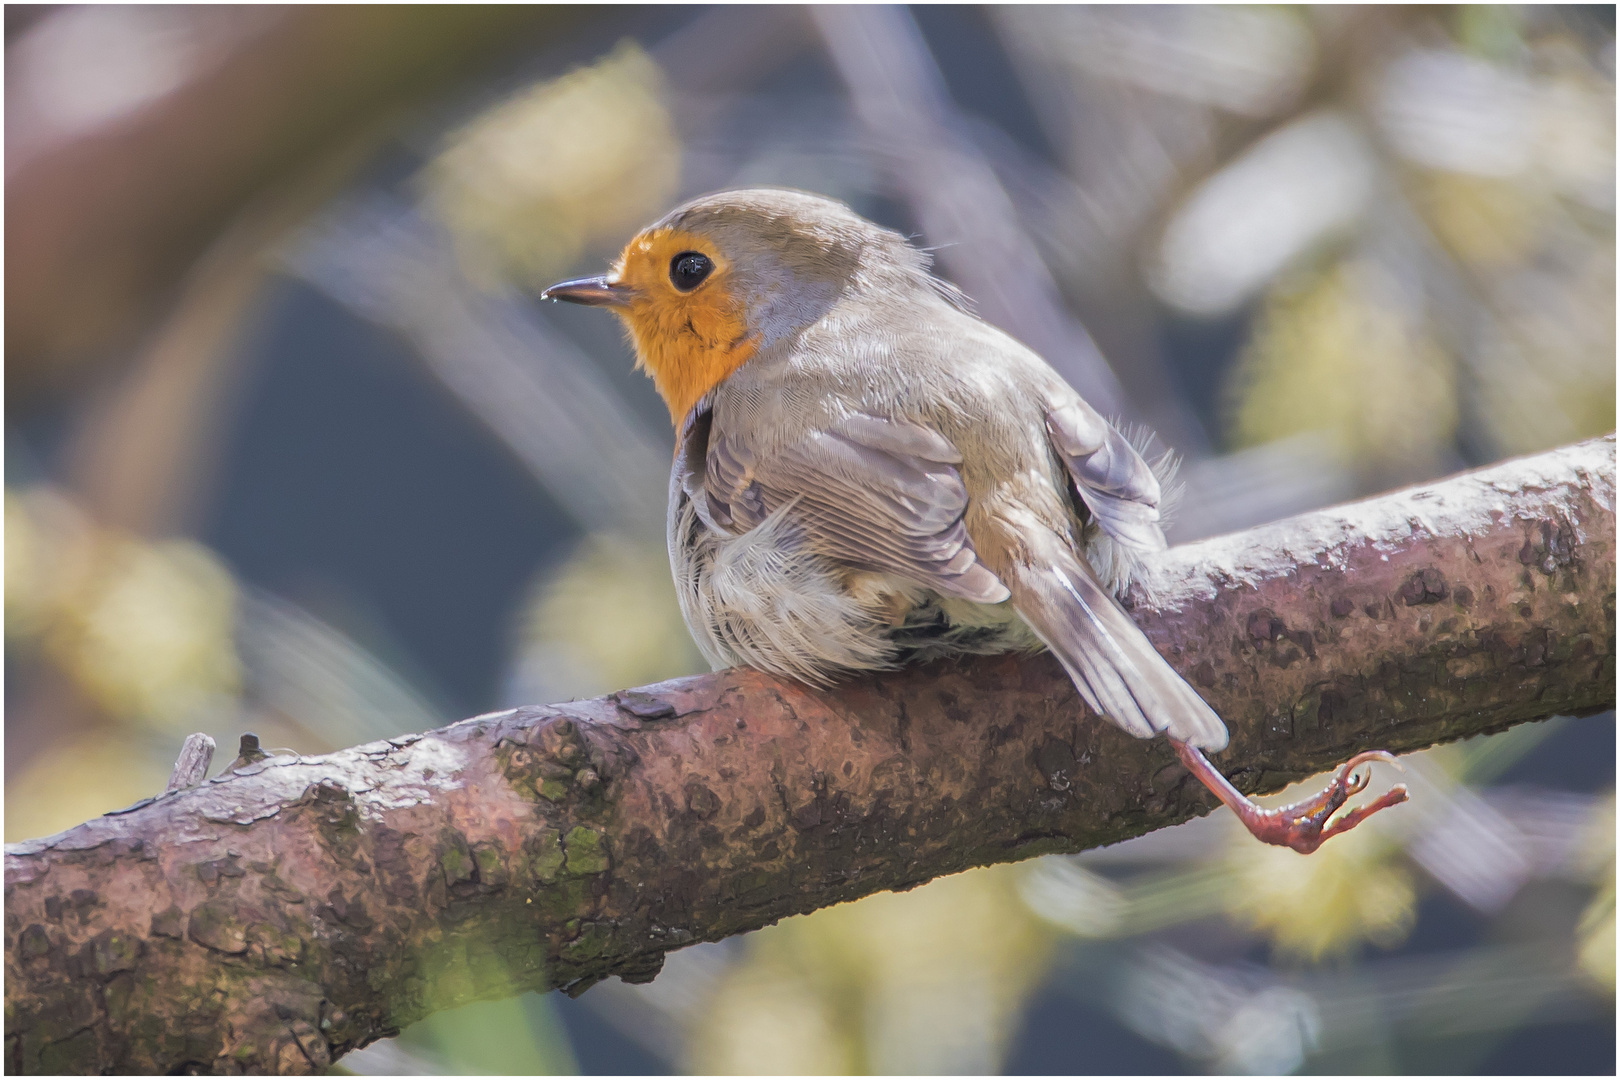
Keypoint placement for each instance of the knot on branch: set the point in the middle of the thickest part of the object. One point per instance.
(556, 757)
(1427, 586)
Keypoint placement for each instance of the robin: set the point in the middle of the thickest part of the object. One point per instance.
(866, 473)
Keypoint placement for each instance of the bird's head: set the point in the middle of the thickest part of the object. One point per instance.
(713, 282)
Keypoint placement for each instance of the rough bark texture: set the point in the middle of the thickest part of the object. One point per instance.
(275, 919)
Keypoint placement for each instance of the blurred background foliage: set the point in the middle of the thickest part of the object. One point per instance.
(292, 448)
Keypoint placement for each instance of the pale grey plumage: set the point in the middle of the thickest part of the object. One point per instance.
(888, 474)
(876, 495)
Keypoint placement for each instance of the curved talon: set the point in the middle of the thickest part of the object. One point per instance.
(1375, 755)
(1304, 825)
(1359, 781)
(1394, 796)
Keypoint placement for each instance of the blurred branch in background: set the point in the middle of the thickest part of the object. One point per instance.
(500, 358)
(897, 93)
(160, 638)
(138, 141)
(124, 161)
(178, 128)
(1244, 1019)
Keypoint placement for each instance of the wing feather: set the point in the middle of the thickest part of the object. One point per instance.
(1114, 666)
(1116, 484)
(877, 494)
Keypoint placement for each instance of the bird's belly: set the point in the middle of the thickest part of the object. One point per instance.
(765, 599)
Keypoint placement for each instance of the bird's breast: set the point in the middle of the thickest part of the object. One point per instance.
(689, 347)
(765, 599)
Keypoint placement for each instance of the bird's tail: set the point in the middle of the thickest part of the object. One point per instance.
(1113, 665)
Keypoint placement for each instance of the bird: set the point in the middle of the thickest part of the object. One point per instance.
(867, 474)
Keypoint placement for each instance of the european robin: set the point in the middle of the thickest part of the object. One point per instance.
(867, 473)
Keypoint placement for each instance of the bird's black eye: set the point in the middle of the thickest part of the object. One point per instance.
(688, 269)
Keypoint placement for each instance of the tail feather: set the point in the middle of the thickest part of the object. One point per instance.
(1113, 665)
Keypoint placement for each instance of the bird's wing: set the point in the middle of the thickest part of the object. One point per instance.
(877, 494)
(1113, 665)
(1117, 486)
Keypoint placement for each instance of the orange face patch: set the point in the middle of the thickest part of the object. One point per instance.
(687, 341)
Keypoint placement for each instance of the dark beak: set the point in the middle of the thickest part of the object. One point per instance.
(591, 291)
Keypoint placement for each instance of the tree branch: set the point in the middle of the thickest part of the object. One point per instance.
(277, 918)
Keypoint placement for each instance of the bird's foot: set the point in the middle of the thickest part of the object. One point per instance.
(1304, 825)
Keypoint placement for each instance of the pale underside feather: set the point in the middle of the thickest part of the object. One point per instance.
(760, 599)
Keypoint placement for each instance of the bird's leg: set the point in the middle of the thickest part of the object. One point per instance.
(1300, 826)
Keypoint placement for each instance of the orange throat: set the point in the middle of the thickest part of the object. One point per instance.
(689, 345)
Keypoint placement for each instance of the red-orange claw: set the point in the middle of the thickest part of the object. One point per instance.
(1304, 825)
(1349, 820)
(1358, 782)
(1373, 755)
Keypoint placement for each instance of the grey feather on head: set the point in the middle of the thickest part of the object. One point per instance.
(794, 254)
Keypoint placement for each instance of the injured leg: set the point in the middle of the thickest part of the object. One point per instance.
(1300, 826)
